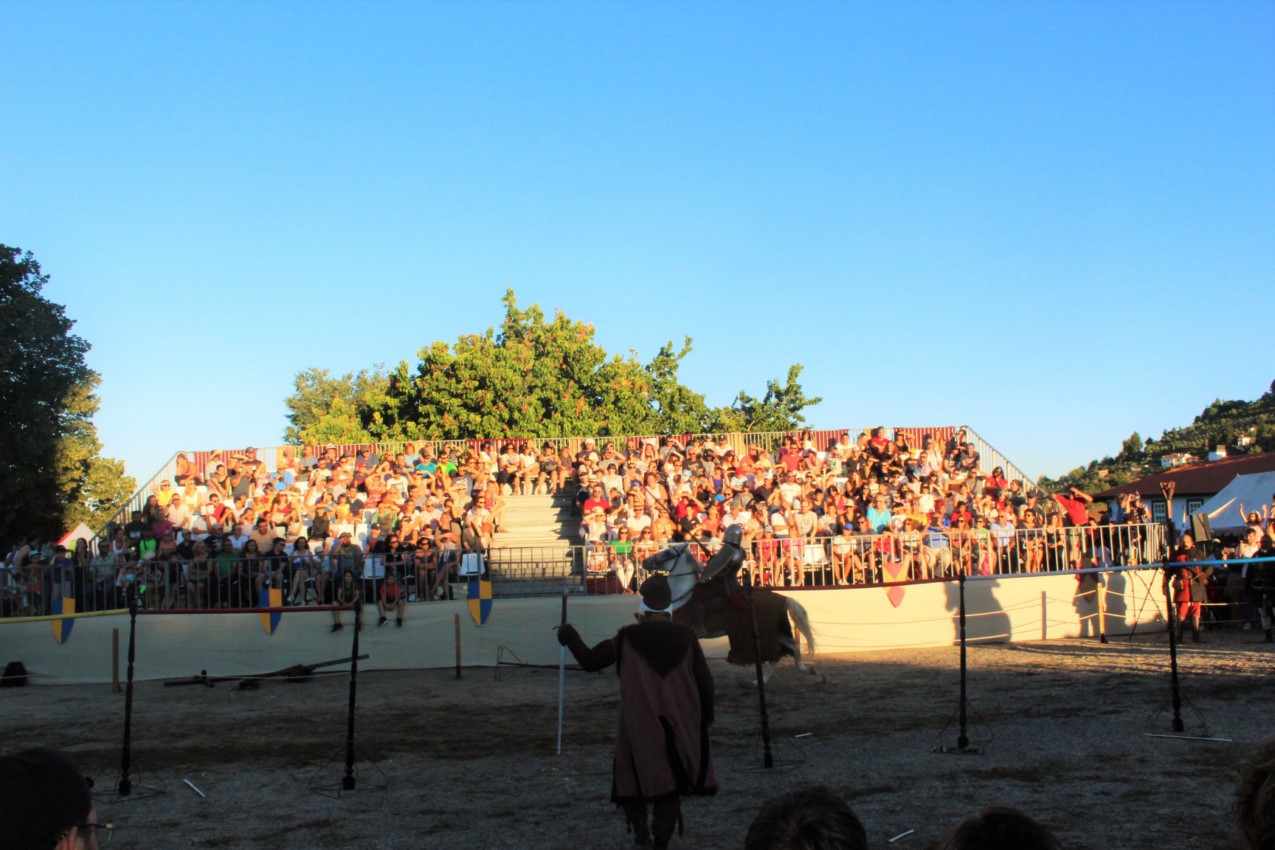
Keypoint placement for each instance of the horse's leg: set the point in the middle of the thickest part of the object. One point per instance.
(792, 646)
(794, 609)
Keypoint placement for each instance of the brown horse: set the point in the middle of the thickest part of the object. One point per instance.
(714, 609)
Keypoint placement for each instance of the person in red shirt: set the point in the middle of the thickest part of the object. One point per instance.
(1074, 504)
(1190, 585)
(597, 498)
(391, 596)
(995, 483)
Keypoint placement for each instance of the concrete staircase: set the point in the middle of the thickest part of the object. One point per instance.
(533, 554)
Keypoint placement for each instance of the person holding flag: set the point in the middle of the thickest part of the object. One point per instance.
(666, 706)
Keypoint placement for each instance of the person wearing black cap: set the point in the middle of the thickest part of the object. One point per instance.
(666, 706)
(45, 803)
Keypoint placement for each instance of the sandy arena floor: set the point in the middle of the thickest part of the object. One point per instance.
(470, 764)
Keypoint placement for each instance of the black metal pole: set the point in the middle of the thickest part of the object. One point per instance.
(769, 758)
(562, 672)
(126, 753)
(962, 739)
(1178, 725)
(347, 782)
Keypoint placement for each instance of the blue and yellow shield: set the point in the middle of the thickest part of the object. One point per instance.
(271, 597)
(479, 600)
(64, 609)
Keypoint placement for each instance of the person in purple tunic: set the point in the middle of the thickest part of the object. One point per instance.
(666, 706)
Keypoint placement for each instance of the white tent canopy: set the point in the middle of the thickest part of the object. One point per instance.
(1252, 491)
(80, 530)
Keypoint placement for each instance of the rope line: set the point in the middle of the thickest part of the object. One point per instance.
(53, 618)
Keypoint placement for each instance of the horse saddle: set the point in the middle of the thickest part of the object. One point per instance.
(718, 593)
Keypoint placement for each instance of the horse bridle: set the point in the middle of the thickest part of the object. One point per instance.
(677, 570)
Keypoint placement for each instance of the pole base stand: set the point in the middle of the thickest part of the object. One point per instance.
(958, 750)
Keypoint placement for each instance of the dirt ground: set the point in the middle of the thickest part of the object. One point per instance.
(1064, 728)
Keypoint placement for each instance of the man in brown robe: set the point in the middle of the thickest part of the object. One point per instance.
(666, 706)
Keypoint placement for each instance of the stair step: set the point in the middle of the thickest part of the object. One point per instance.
(534, 523)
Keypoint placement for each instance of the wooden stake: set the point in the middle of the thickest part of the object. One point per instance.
(1044, 616)
(1100, 591)
(457, 646)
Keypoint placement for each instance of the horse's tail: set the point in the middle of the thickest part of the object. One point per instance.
(802, 621)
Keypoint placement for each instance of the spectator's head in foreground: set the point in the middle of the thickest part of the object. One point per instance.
(1000, 828)
(806, 819)
(1255, 800)
(45, 802)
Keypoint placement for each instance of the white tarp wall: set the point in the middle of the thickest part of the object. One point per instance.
(1001, 608)
(1252, 491)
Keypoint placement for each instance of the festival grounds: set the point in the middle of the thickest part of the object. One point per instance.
(1063, 726)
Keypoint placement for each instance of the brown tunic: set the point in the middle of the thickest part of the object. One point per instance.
(666, 706)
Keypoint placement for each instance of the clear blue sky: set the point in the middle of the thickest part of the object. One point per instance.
(1052, 221)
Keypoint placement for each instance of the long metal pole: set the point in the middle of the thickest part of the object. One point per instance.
(768, 758)
(347, 781)
(962, 739)
(1167, 489)
(1174, 686)
(562, 672)
(126, 754)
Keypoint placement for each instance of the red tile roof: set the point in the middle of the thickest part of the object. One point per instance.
(1199, 479)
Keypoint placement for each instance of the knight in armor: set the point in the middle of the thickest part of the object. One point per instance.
(719, 582)
(728, 559)
(666, 706)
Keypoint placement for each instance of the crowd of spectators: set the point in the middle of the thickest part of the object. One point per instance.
(840, 513)
(817, 818)
(219, 533)
(222, 530)
(48, 803)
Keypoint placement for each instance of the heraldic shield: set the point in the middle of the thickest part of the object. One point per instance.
(63, 608)
(479, 600)
(270, 597)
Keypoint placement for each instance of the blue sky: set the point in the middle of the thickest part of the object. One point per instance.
(1051, 221)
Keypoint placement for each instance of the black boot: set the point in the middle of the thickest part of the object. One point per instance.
(635, 814)
(1195, 629)
(664, 820)
(1269, 639)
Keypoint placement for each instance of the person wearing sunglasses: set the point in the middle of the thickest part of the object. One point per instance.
(45, 803)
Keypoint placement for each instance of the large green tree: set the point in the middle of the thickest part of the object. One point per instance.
(533, 376)
(323, 409)
(53, 476)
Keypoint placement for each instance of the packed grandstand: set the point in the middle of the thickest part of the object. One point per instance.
(224, 528)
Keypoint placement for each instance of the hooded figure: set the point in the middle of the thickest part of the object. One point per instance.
(666, 707)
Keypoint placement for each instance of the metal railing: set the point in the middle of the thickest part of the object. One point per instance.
(603, 567)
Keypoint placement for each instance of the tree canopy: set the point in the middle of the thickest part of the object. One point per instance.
(532, 377)
(54, 477)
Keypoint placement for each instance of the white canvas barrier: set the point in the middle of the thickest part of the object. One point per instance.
(855, 619)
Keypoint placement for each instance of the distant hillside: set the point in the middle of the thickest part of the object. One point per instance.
(1243, 427)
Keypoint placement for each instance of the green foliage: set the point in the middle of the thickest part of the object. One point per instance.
(53, 475)
(676, 408)
(531, 377)
(779, 410)
(1220, 424)
(323, 409)
(102, 490)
